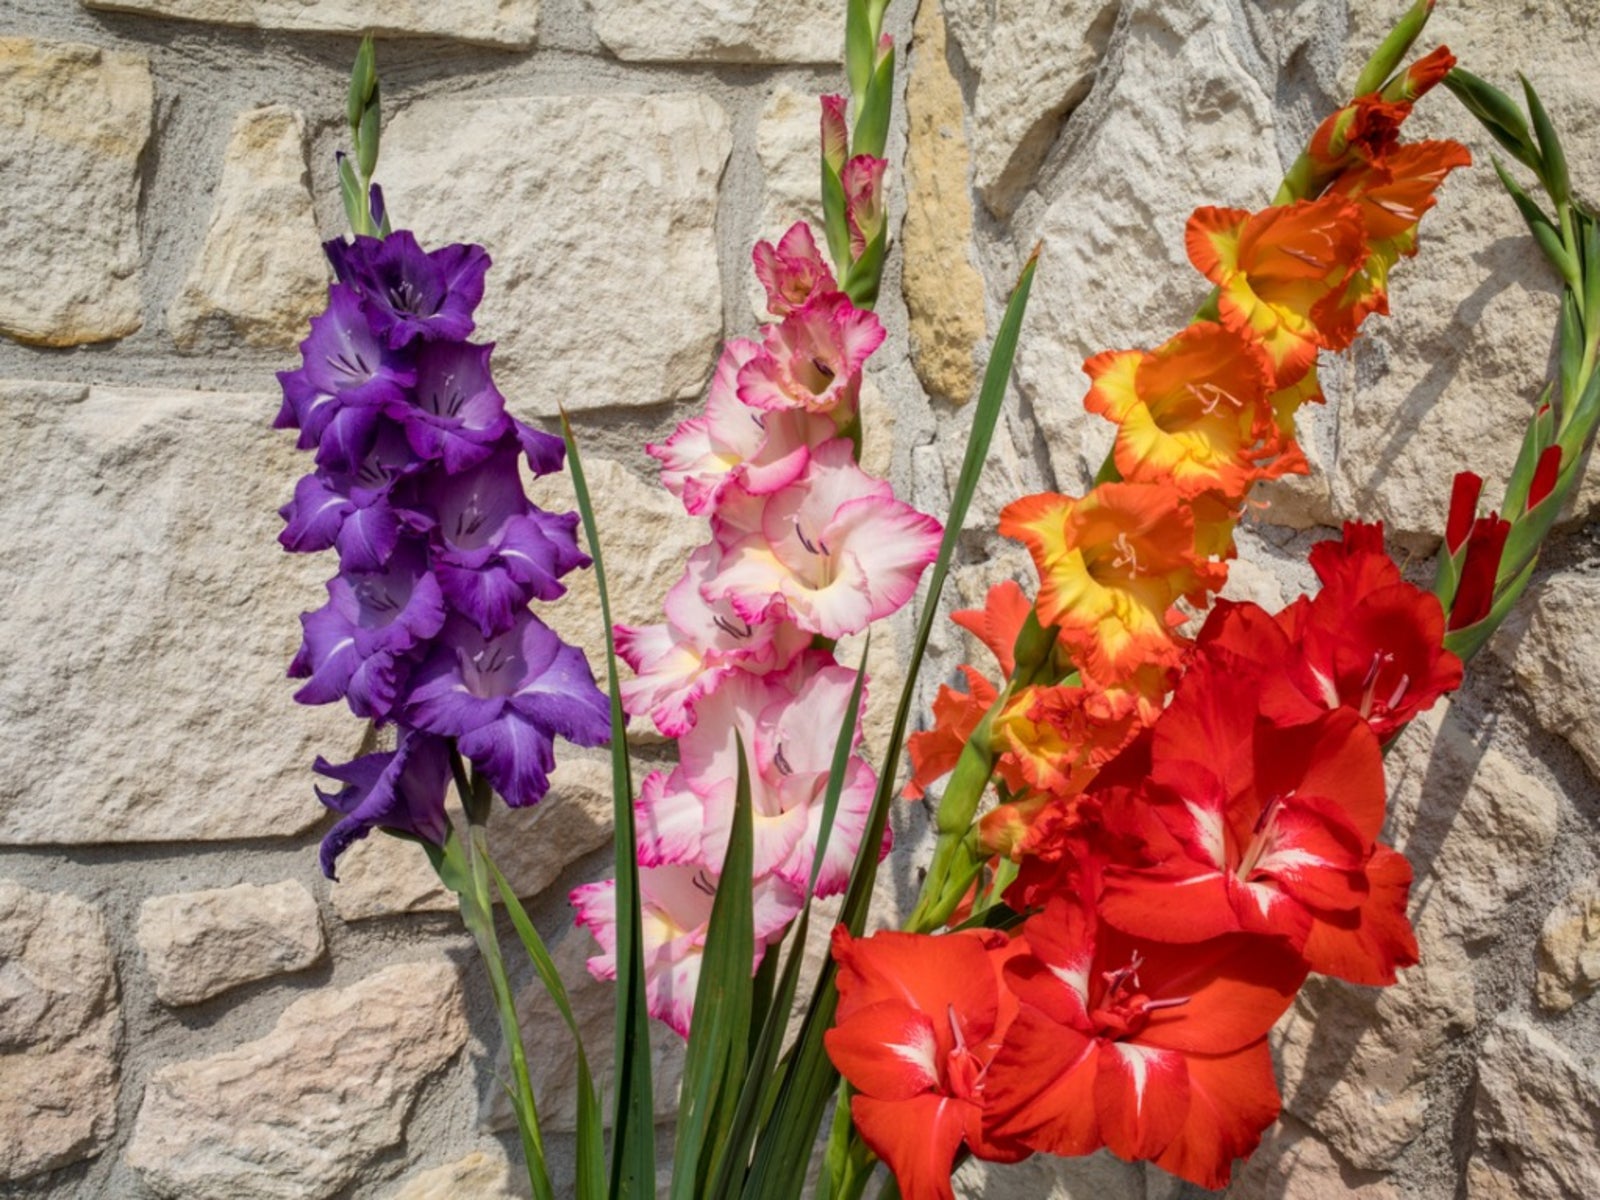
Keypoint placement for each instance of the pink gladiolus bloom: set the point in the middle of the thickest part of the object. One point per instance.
(863, 200)
(676, 904)
(793, 271)
(835, 133)
(702, 642)
(812, 359)
(789, 723)
(833, 552)
(733, 443)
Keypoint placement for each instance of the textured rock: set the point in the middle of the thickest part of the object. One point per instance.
(600, 214)
(1477, 828)
(1035, 61)
(743, 31)
(297, 1114)
(72, 129)
(1043, 1177)
(1293, 1164)
(155, 707)
(552, 1057)
(481, 1175)
(1569, 949)
(60, 1032)
(1453, 375)
(1178, 121)
(385, 875)
(199, 944)
(259, 276)
(1537, 1107)
(1356, 1062)
(943, 291)
(511, 23)
(787, 147)
(1549, 642)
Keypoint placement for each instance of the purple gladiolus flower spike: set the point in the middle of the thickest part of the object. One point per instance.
(352, 509)
(408, 292)
(456, 413)
(504, 698)
(401, 789)
(357, 645)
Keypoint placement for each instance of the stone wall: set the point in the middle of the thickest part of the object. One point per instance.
(188, 1009)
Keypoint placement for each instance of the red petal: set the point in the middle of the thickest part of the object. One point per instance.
(1367, 946)
(918, 1138)
(888, 1050)
(1232, 1098)
(1040, 1087)
(1141, 1095)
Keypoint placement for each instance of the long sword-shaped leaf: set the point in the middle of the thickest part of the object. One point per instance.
(591, 1147)
(786, 1141)
(633, 1147)
(719, 1035)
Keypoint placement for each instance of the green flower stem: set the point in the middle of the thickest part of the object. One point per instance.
(849, 1163)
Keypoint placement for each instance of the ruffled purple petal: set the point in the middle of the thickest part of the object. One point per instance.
(455, 413)
(401, 789)
(312, 520)
(327, 656)
(516, 754)
(545, 452)
(408, 293)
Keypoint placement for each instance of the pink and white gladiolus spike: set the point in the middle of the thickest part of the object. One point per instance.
(812, 359)
(862, 180)
(733, 443)
(793, 271)
(677, 663)
(789, 722)
(833, 552)
(676, 906)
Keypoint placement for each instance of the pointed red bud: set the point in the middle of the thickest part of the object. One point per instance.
(1545, 475)
(1475, 593)
(1463, 509)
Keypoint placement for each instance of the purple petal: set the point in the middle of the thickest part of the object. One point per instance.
(401, 789)
(315, 515)
(516, 754)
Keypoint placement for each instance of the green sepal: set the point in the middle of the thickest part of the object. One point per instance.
(1554, 175)
(367, 134)
(1497, 113)
(1393, 48)
(1588, 239)
(1570, 356)
(363, 79)
(862, 277)
(859, 44)
(871, 133)
(835, 226)
(1542, 227)
(449, 861)
(633, 1143)
(1464, 643)
(1540, 433)
(353, 196)
(719, 1035)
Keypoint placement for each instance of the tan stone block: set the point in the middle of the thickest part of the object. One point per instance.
(509, 23)
(742, 31)
(1569, 949)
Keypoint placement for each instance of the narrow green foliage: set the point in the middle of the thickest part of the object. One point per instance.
(860, 39)
(1554, 174)
(1387, 57)
(835, 228)
(871, 131)
(1539, 434)
(719, 1037)
(1496, 113)
(862, 277)
(1466, 642)
(633, 1150)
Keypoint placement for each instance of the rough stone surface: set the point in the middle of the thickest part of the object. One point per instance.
(1477, 828)
(481, 1175)
(1177, 120)
(1293, 1164)
(1356, 1062)
(1549, 641)
(739, 31)
(1569, 949)
(1035, 61)
(600, 215)
(297, 1114)
(510, 23)
(143, 717)
(1538, 1105)
(259, 276)
(1045, 1178)
(552, 1057)
(72, 130)
(787, 140)
(384, 875)
(60, 1032)
(943, 290)
(199, 944)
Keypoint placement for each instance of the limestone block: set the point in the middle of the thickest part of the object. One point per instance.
(788, 145)
(1044, 1177)
(553, 1058)
(1550, 643)
(260, 276)
(144, 693)
(1569, 949)
(60, 1032)
(509, 23)
(297, 1114)
(199, 944)
(741, 31)
(1477, 828)
(72, 128)
(1357, 1061)
(1294, 1164)
(384, 875)
(1035, 61)
(1537, 1107)
(1449, 380)
(481, 1175)
(600, 215)
(943, 290)
(1177, 121)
